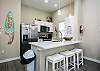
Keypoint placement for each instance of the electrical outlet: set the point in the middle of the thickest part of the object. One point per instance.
(3, 51)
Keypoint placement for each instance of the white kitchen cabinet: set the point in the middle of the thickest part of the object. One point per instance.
(39, 23)
(49, 25)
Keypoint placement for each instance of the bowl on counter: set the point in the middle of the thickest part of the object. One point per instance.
(68, 38)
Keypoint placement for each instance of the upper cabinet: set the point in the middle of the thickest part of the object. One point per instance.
(50, 25)
(45, 24)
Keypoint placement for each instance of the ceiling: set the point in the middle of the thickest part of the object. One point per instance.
(48, 7)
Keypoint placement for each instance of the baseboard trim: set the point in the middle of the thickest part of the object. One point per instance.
(91, 59)
(10, 59)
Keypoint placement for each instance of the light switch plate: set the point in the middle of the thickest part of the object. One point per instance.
(3, 51)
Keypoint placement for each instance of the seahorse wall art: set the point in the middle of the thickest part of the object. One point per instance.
(9, 26)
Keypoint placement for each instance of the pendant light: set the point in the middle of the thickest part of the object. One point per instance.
(70, 9)
(59, 11)
(46, 1)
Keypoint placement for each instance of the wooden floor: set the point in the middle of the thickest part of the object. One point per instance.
(12, 66)
(16, 66)
(89, 66)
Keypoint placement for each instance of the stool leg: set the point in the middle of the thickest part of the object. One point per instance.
(74, 63)
(46, 64)
(66, 64)
(82, 57)
(56, 66)
(77, 60)
(53, 66)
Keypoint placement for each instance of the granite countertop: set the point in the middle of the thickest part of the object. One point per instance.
(50, 44)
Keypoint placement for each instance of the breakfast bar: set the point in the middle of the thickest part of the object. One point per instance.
(46, 48)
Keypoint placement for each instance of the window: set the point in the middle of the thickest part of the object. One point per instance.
(62, 29)
(66, 27)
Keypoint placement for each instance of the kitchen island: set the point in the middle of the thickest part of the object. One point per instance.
(46, 48)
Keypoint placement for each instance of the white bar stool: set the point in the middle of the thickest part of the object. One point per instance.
(70, 60)
(57, 60)
(79, 56)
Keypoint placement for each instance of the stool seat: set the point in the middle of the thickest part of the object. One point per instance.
(77, 50)
(68, 53)
(56, 57)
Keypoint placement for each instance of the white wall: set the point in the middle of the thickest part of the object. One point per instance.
(27, 13)
(12, 50)
(91, 36)
(0, 13)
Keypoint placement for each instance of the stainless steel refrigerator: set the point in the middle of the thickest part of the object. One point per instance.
(28, 33)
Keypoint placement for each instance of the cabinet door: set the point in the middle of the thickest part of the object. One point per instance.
(39, 23)
(49, 25)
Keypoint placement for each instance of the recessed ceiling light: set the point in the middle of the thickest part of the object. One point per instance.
(55, 5)
(46, 1)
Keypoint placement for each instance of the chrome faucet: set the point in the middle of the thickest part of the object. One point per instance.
(61, 38)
